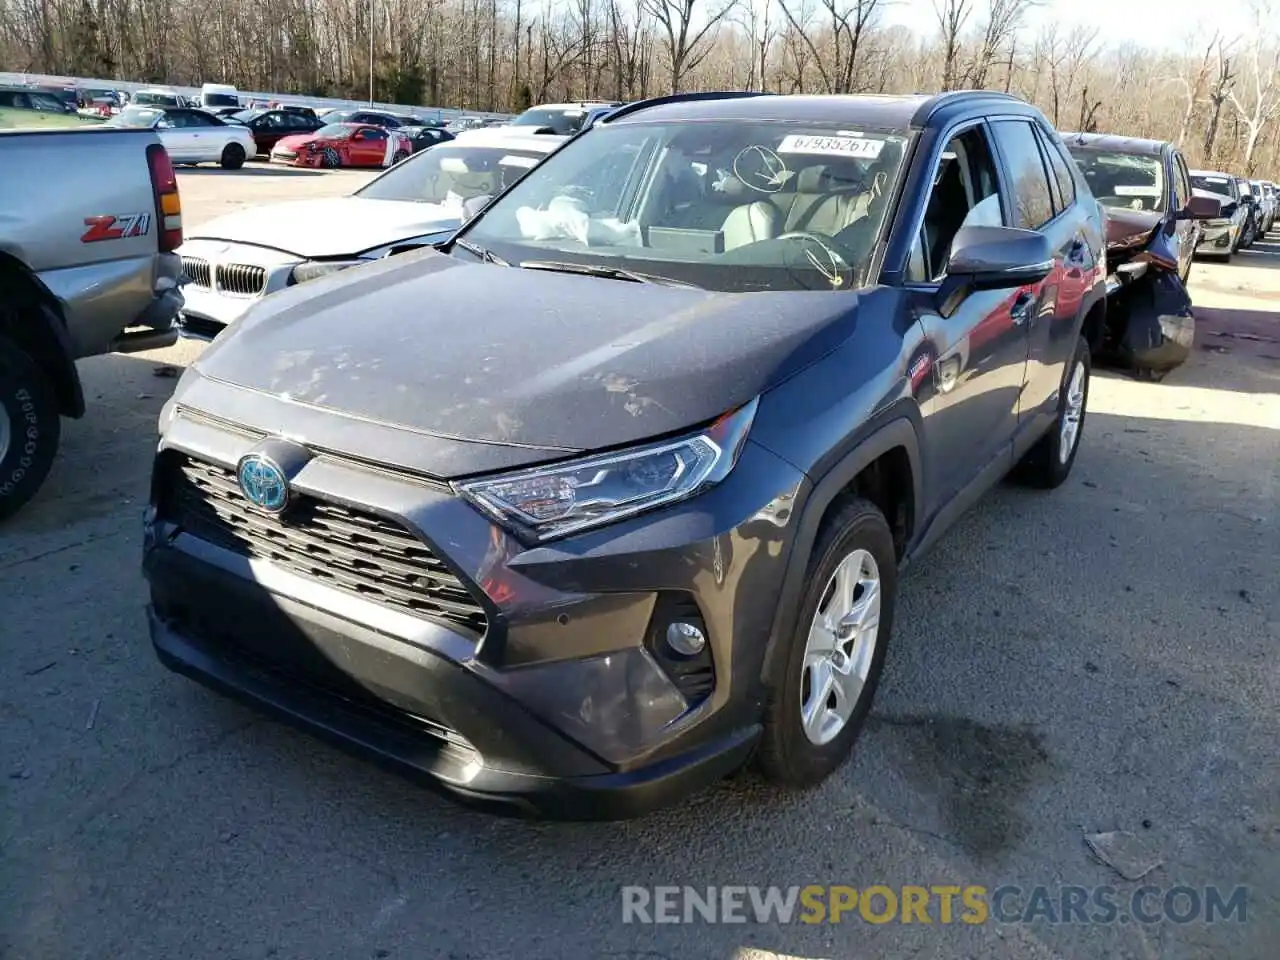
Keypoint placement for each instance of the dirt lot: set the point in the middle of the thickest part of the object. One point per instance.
(1099, 658)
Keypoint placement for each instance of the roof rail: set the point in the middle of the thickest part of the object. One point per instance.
(936, 102)
(629, 108)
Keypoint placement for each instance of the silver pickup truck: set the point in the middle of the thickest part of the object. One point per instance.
(89, 220)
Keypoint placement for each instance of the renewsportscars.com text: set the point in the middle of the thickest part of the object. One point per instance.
(935, 904)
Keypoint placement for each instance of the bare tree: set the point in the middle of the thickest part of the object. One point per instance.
(1218, 94)
(1259, 103)
(1193, 89)
(840, 28)
(1004, 20)
(952, 17)
(686, 44)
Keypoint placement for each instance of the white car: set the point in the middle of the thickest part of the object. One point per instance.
(233, 262)
(192, 136)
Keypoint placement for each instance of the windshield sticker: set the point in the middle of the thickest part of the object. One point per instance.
(859, 147)
(515, 160)
(1135, 191)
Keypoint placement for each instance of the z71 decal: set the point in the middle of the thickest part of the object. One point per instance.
(116, 227)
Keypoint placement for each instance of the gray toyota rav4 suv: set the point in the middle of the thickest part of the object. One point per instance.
(608, 494)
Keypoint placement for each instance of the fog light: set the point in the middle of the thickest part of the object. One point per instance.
(685, 639)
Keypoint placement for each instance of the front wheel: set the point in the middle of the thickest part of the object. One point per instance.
(30, 427)
(400, 155)
(233, 157)
(1048, 463)
(831, 663)
(330, 159)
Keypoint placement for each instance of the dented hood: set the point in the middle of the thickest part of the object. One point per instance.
(1130, 228)
(474, 359)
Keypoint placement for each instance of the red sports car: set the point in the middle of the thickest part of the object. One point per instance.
(343, 145)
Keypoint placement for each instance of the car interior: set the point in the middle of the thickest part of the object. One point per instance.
(1116, 180)
(964, 193)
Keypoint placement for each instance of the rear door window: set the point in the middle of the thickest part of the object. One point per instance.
(1061, 166)
(1033, 199)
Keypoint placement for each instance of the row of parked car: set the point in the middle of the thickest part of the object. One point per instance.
(571, 472)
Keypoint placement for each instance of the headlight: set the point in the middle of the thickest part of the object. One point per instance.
(549, 502)
(314, 269)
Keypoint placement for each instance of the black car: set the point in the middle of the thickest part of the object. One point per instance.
(423, 137)
(377, 118)
(608, 494)
(1154, 225)
(30, 98)
(269, 127)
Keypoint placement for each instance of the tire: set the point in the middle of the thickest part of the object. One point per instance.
(331, 159)
(789, 754)
(30, 427)
(1046, 465)
(233, 157)
(399, 156)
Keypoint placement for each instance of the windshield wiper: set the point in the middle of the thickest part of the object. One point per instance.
(598, 270)
(487, 256)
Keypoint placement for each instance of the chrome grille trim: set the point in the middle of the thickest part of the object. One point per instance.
(197, 268)
(243, 279)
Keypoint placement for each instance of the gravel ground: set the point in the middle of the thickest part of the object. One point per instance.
(1099, 658)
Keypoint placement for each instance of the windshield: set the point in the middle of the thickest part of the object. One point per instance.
(246, 116)
(137, 117)
(220, 100)
(335, 131)
(563, 122)
(1122, 180)
(451, 174)
(1215, 184)
(725, 205)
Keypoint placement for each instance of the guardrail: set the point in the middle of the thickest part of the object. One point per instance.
(131, 87)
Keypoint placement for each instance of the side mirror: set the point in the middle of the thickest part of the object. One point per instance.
(993, 258)
(1206, 207)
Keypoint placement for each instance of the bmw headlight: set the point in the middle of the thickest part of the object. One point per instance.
(553, 501)
(315, 269)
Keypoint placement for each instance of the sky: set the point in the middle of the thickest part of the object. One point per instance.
(1162, 24)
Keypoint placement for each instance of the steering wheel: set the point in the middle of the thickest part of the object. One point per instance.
(838, 261)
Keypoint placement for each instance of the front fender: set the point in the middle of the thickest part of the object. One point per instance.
(896, 426)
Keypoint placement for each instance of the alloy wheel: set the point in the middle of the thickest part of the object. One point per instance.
(1072, 413)
(840, 648)
(5, 432)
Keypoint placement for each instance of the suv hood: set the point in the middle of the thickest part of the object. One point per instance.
(516, 365)
(333, 227)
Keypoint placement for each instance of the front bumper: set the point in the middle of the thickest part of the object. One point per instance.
(560, 708)
(300, 159)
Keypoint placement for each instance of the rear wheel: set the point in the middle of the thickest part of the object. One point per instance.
(30, 427)
(1049, 462)
(233, 157)
(835, 655)
(400, 155)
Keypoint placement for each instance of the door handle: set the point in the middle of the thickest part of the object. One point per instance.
(1023, 305)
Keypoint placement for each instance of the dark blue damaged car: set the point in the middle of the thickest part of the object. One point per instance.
(607, 496)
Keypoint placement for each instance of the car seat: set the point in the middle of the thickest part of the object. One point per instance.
(827, 199)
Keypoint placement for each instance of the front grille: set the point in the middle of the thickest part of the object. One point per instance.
(344, 547)
(197, 269)
(241, 278)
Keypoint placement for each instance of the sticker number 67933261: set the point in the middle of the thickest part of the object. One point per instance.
(115, 227)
